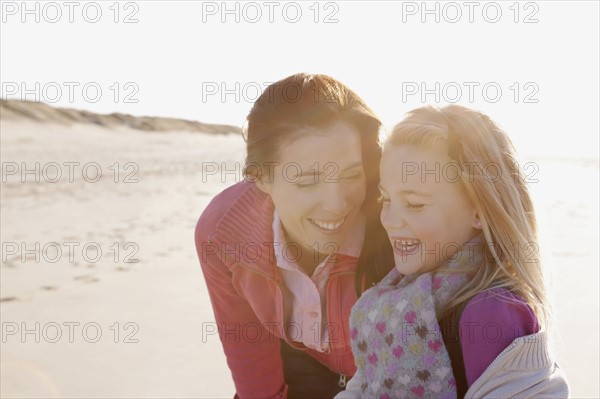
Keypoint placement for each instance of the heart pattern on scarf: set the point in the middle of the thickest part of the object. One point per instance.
(396, 339)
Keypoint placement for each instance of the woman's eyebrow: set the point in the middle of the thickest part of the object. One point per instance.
(329, 171)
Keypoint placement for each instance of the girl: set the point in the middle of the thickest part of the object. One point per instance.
(465, 311)
(282, 251)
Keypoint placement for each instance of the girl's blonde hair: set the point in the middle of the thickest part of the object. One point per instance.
(494, 182)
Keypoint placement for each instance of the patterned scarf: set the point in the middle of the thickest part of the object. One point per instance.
(396, 339)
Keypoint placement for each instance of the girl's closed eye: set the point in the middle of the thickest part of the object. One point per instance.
(414, 206)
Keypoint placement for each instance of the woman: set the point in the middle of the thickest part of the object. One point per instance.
(282, 252)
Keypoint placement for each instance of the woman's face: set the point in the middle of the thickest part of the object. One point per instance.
(318, 186)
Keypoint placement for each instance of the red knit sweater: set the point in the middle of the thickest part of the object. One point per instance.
(234, 241)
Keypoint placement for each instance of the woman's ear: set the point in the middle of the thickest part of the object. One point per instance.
(265, 187)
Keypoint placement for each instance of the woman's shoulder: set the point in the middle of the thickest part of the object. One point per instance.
(231, 195)
(236, 209)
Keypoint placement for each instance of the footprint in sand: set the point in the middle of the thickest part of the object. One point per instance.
(88, 279)
(48, 288)
(9, 299)
(12, 263)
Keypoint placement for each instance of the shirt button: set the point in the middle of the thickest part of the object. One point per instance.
(313, 314)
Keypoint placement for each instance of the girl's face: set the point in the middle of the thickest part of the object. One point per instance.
(425, 212)
(318, 187)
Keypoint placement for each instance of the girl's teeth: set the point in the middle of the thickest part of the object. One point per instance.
(329, 225)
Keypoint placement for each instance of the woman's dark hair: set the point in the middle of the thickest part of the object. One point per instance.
(284, 111)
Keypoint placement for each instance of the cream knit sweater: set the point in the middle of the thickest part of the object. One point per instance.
(525, 369)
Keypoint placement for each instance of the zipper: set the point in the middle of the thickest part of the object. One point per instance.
(329, 320)
(342, 381)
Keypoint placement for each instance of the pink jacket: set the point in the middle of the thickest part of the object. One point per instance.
(234, 241)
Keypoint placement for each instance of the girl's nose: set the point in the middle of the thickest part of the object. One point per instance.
(391, 218)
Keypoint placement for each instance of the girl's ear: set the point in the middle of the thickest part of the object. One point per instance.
(477, 222)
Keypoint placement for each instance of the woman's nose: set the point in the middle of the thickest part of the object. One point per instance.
(335, 198)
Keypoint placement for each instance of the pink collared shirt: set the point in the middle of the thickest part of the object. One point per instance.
(307, 322)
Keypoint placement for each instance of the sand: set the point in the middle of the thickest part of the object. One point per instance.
(163, 296)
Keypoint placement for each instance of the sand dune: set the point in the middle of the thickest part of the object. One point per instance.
(39, 112)
(152, 205)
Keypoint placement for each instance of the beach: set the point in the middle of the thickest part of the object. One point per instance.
(112, 303)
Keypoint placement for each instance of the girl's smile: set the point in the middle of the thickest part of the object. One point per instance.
(426, 216)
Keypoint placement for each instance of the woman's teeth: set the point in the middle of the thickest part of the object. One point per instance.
(336, 224)
(406, 245)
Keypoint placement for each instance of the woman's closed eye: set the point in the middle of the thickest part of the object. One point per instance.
(412, 206)
(306, 183)
(312, 181)
(353, 176)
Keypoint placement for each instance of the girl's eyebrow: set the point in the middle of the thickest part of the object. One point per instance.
(408, 192)
(416, 192)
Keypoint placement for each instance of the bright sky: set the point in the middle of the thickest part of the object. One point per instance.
(532, 66)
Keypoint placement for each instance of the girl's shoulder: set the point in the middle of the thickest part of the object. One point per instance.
(490, 321)
(498, 304)
(502, 307)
